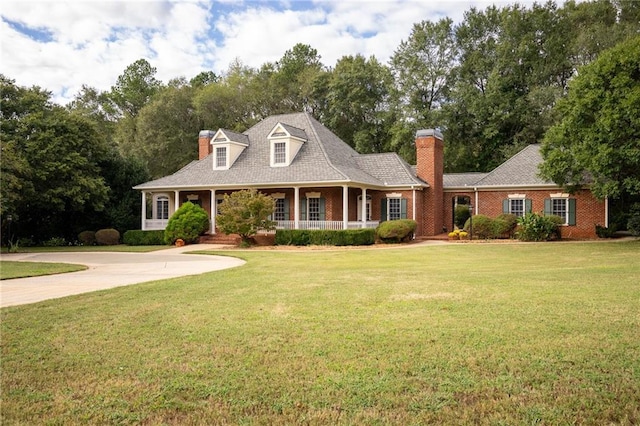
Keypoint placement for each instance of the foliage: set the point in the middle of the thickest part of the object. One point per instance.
(107, 237)
(480, 226)
(505, 225)
(461, 214)
(245, 213)
(633, 223)
(395, 231)
(187, 223)
(535, 227)
(605, 232)
(55, 242)
(137, 237)
(346, 237)
(597, 140)
(87, 238)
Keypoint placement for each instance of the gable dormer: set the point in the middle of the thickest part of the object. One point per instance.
(226, 148)
(284, 143)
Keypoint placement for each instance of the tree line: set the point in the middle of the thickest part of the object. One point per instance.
(489, 83)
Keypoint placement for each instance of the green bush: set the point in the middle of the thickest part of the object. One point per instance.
(347, 237)
(87, 238)
(633, 223)
(187, 223)
(55, 242)
(505, 225)
(481, 227)
(395, 231)
(462, 214)
(137, 237)
(534, 227)
(108, 237)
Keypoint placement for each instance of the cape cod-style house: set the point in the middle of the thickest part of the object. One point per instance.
(320, 182)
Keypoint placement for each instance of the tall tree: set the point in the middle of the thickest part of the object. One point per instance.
(295, 74)
(135, 87)
(598, 137)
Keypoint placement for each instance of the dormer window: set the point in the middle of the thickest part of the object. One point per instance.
(284, 142)
(227, 147)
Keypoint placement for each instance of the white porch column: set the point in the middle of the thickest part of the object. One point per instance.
(214, 206)
(414, 205)
(144, 211)
(176, 200)
(296, 207)
(345, 207)
(364, 208)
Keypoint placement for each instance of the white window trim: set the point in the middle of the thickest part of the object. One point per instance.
(155, 212)
(273, 153)
(226, 158)
(389, 199)
(566, 206)
(359, 205)
(518, 198)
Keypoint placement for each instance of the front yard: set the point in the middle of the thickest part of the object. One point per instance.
(453, 334)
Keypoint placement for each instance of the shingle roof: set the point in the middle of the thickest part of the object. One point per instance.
(235, 136)
(323, 158)
(519, 171)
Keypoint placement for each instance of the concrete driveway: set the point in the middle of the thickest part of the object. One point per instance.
(107, 270)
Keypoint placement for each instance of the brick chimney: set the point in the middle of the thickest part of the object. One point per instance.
(204, 143)
(430, 167)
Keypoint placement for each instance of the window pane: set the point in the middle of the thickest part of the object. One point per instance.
(163, 208)
(314, 208)
(279, 153)
(221, 156)
(516, 207)
(559, 208)
(278, 214)
(394, 208)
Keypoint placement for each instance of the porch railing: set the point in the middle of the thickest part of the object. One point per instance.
(155, 224)
(323, 224)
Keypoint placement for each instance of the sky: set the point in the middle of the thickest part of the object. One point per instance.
(59, 45)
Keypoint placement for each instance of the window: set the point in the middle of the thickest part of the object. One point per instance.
(162, 207)
(516, 206)
(279, 213)
(563, 207)
(394, 207)
(314, 208)
(221, 157)
(368, 215)
(280, 153)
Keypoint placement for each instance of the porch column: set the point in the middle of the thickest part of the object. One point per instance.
(414, 204)
(345, 207)
(213, 212)
(176, 199)
(296, 207)
(144, 211)
(364, 207)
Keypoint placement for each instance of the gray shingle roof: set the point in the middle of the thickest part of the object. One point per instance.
(236, 137)
(323, 158)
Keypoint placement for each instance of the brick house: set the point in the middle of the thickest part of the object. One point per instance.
(320, 182)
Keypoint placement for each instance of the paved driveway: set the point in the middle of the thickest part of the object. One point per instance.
(107, 270)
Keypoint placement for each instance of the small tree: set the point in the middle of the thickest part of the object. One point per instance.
(187, 224)
(245, 213)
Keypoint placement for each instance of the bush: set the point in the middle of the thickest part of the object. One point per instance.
(480, 226)
(505, 225)
(55, 242)
(245, 213)
(461, 215)
(87, 238)
(138, 237)
(633, 223)
(108, 237)
(347, 237)
(187, 223)
(604, 232)
(534, 227)
(395, 231)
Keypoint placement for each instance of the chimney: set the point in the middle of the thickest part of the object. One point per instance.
(204, 143)
(430, 167)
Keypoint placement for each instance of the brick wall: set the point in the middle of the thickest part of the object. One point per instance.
(430, 168)
(204, 143)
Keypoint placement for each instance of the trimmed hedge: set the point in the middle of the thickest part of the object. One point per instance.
(108, 237)
(87, 238)
(395, 231)
(138, 237)
(305, 237)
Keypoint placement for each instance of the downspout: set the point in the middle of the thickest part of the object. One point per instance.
(413, 204)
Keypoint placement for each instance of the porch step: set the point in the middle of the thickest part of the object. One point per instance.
(232, 239)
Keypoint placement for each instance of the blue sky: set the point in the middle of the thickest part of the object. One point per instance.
(61, 45)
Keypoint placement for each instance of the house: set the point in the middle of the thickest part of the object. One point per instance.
(320, 182)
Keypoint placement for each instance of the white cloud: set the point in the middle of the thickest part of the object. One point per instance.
(92, 41)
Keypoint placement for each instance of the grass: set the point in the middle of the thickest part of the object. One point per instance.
(495, 334)
(116, 248)
(10, 269)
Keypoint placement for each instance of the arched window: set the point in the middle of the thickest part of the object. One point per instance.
(162, 207)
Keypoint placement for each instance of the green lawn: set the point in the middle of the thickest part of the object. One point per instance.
(500, 334)
(116, 248)
(9, 269)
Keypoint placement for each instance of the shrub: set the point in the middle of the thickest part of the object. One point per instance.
(395, 231)
(347, 237)
(245, 213)
(480, 226)
(107, 237)
(534, 227)
(633, 223)
(187, 223)
(55, 242)
(604, 232)
(87, 238)
(505, 225)
(461, 215)
(138, 237)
